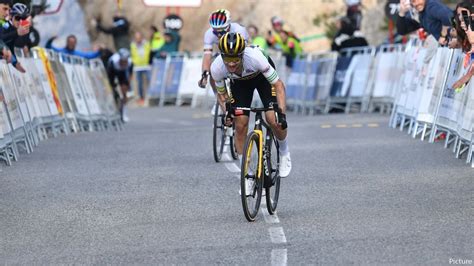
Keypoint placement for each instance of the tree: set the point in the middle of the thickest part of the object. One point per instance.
(328, 22)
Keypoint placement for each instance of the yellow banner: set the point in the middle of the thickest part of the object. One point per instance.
(51, 79)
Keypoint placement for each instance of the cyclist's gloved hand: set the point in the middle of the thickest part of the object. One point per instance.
(280, 117)
(203, 81)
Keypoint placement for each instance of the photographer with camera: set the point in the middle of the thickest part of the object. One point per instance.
(17, 26)
(433, 16)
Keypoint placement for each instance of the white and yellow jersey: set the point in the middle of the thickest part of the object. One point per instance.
(254, 63)
(210, 38)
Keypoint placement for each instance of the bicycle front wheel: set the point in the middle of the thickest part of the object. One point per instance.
(272, 190)
(250, 184)
(218, 135)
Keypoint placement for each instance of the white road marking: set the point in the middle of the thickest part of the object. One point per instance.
(270, 219)
(279, 257)
(277, 235)
(232, 168)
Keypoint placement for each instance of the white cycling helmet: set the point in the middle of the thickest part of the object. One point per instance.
(219, 19)
(123, 53)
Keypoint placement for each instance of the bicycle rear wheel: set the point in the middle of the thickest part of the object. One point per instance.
(218, 135)
(272, 190)
(250, 184)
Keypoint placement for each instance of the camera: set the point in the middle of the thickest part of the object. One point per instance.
(466, 18)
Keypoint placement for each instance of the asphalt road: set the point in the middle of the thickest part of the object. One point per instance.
(359, 193)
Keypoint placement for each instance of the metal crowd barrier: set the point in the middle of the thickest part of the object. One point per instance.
(428, 106)
(58, 94)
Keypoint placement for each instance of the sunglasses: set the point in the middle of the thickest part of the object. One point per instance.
(232, 59)
(219, 32)
(19, 18)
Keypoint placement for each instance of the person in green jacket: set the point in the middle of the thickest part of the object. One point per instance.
(256, 39)
(172, 40)
(290, 47)
(157, 41)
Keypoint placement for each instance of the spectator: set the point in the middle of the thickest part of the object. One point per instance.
(290, 47)
(347, 36)
(18, 13)
(28, 41)
(354, 12)
(274, 39)
(465, 35)
(4, 9)
(169, 46)
(157, 41)
(256, 39)
(407, 24)
(11, 30)
(70, 48)
(175, 39)
(118, 30)
(434, 17)
(462, 29)
(140, 52)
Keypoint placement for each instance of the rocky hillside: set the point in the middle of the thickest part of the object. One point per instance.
(298, 15)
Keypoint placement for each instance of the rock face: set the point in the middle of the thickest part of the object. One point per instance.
(67, 21)
(298, 16)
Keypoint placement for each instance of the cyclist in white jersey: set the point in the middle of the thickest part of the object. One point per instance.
(248, 68)
(220, 22)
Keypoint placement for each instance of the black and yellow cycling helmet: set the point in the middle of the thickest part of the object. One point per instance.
(232, 44)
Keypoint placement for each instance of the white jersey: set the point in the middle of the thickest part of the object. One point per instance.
(210, 38)
(254, 63)
(114, 63)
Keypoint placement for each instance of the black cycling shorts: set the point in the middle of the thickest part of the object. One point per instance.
(242, 91)
(121, 77)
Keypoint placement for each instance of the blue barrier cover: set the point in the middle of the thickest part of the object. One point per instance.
(157, 77)
(295, 84)
(173, 76)
(311, 81)
(341, 69)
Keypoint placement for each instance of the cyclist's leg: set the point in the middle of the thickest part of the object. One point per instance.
(115, 92)
(242, 95)
(268, 95)
(124, 86)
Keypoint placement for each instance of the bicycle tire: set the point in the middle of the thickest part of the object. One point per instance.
(218, 135)
(272, 192)
(250, 199)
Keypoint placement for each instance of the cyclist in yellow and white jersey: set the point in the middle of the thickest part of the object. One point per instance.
(220, 22)
(248, 68)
